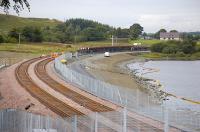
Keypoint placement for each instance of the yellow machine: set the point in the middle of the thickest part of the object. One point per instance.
(64, 61)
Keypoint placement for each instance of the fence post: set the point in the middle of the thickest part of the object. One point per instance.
(166, 120)
(137, 100)
(75, 124)
(120, 99)
(125, 120)
(31, 122)
(96, 122)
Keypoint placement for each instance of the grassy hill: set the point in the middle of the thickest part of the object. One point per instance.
(7, 22)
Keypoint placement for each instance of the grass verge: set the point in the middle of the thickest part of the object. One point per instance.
(161, 56)
(36, 48)
(145, 42)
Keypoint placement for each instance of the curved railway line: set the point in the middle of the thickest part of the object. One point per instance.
(40, 71)
(45, 98)
(59, 107)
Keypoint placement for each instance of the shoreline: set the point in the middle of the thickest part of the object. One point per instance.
(149, 81)
(110, 71)
(110, 68)
(107, 69)
(170, 57)
(114, 70)
(153, 89)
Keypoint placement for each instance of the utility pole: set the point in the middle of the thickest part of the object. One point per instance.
(116, 40)
(112, 40)
(19, 39)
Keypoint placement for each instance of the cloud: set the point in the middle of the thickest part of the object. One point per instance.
(180, 22)
(182, 15)
(151, 22)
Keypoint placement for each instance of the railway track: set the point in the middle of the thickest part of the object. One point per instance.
(132, 123)
(40, 71)
(60, 107)
(45, 98)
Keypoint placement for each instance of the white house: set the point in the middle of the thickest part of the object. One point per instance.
(169, 36)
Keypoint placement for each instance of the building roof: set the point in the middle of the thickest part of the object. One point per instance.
(169, 35)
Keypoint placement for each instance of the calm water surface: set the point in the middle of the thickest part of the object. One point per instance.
(181, 78)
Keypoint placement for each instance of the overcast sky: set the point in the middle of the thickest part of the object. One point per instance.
(183, 15)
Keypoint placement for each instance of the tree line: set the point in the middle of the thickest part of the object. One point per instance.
(186, 46)
(71, 31)
(75, 30)
(26, 34)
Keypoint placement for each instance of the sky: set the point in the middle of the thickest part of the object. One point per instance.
(182, 15)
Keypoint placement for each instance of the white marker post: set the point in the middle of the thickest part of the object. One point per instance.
(112, 40)
(166, 120)
(124, 120)
(96, 122)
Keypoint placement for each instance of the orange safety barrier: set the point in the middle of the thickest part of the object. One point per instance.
(54, 55)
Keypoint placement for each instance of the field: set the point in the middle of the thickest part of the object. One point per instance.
(198, 43)
(36, 48)
(16, 53)
(161, 56)
(145, 42)
(46, 48)
(8, 22)
(119, 42)
(102, 43)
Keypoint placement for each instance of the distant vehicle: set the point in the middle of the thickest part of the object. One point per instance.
(43, 55)
(106, 54)
(136, 44)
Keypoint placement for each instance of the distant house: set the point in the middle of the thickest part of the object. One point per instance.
(170, 36)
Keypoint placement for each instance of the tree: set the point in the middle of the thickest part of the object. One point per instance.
(76, 30)
(168, 50)
(162, 31)
(173, 31)
(173, 47)
(157, 34)
(144, 35)
(188, 46)
(94, 34)
(32, 34)
(18, 5)
(1, 39)
(189, 36)
(135, 31)
(158, 47)
(14, 33)
(121, 33)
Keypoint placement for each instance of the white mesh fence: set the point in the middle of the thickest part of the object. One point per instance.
(133, 100)
(20, 121)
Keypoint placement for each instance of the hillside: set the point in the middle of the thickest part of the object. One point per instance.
(7, 22)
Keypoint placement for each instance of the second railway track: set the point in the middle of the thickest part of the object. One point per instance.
(61, 108)
(45, 98)
(41, 72)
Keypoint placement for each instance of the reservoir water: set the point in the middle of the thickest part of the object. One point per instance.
(181, 78)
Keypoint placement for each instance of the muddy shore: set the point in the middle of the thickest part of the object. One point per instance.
(112, 69)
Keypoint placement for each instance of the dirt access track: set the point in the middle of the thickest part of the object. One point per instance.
(34, 86)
